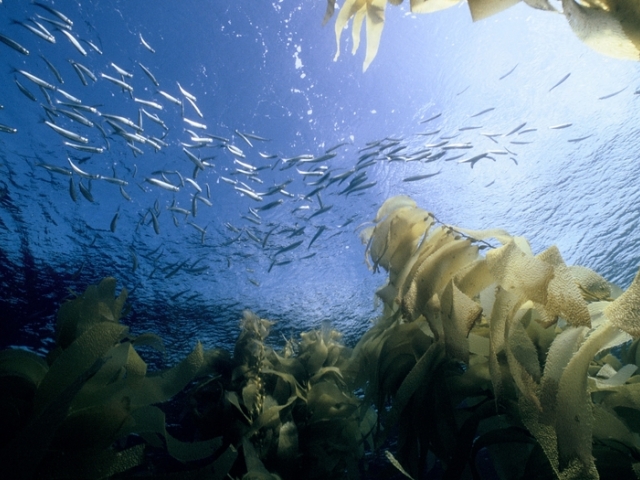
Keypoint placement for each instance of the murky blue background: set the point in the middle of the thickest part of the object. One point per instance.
(266, 68)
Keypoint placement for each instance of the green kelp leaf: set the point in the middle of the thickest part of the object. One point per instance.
(158, 387)
(523, 362)
(501, 437)
(500, 314)
(326, 401)
(460, 314)
(93, 427)
(77, 358)
(420, 374)
(21, 372)
(97, 304)
(92, 464)
(288, 442)
(563, 295)
(24, 364)
(24, 454)
(593, 286)
(560, 352)
(609, 426)
(519, 272)
(574, 419)
(123, 369)
(149, 422)
(255, 468)
(624, 311)
(149, 339)
(434, 273)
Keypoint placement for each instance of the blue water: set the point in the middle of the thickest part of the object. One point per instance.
(266, 68)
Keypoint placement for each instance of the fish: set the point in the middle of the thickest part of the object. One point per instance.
(432, 118)
(81, 70)
(76, 117)
(508, 73)
(45, 35)
(321, 229)
(80, 172)
(249, 193)
(243, 137)
(235, 150)
(53, 69)
(464, 129)
(528, 130)
(72, 191)
(93, 46)
(515, 142)
(74, 41)
(256, 137)
(579, 139)
(515, 129)
(149, 74)
(154, 221)
(162, 184)
(86, 193)
(320, 211)
(428, 134)
(7, 129)
(612, 94)
(186, 94)
(55, 169)
(171, 98)
(123, 120)
(146, 45)
(487, 110)
(473, 160)
(68, 96)
(195, 124)
(112, 225)
(289, 247)
(66, 133)
(55, 12)
(55, 23)
(148, 103)
(360, 188)
(84, 148)
(25, 91)
(415, 178)
(120, 83)
(561, 81)
(122, 71)
(13, 44)
(562, 125)
(196, 161)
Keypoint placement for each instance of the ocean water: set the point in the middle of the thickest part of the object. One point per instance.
(265, 69)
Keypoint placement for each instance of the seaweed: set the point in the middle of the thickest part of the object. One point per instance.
(481, 351)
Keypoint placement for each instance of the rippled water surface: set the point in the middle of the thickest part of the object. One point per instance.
(268, 91)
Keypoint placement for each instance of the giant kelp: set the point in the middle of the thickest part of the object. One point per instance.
(611, 27)
(507, 344)
(482, 346)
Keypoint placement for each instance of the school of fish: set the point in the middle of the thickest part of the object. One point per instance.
(235, 162)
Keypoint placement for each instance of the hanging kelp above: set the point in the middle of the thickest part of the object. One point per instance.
(611, 27)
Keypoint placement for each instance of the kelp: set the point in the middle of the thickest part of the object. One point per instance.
(611, 27)
(91, 394)
(482, 348)
(547, 325)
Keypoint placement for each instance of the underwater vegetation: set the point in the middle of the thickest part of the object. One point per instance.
(611, 27)
(482, 350)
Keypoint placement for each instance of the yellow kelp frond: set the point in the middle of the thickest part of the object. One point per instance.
(624, 312)
(611, 27)
(430, 6)
(373, 11)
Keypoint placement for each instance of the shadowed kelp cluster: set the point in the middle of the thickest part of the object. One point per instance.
(481, 351)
